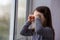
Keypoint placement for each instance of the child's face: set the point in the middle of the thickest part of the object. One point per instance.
(41, 16)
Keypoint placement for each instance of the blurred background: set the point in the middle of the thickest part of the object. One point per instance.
(5, 10)
(25, 7)
(5, 6)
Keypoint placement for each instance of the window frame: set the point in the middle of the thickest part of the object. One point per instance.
(12, 20)
(14, 16)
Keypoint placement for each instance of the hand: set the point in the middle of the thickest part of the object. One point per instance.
(31, 18)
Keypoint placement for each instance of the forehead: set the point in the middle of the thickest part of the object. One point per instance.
(36, 12)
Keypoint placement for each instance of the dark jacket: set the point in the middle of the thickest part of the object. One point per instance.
(40, 32)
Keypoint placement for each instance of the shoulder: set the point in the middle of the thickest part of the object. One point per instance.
(49, 31)
(48, 28)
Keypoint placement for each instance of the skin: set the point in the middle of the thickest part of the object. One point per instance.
(40, 15)
(36, 14)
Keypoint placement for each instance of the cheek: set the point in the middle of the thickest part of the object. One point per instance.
(42, 19)
(34, 13)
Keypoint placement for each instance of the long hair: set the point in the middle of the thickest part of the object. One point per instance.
(47, 14)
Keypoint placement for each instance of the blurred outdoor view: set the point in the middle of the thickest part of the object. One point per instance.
(5, 9)
(21, 18)
(5, 6)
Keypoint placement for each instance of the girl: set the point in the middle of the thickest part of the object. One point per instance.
(43, 29)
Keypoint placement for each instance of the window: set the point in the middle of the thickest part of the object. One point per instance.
(5, 6)
(21, 18)
(24, 8)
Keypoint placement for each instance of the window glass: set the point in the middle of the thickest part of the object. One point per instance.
(21, 18)
(5, 6)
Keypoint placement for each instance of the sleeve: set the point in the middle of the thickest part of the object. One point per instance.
(25, 31)
(41, 30)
